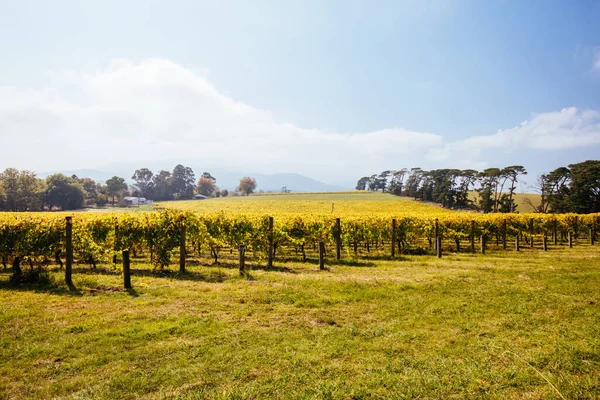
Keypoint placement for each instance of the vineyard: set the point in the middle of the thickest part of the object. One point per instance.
(39, 239)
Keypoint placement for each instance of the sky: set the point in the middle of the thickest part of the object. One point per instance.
(333, 90)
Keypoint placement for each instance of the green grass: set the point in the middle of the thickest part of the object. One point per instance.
(503, 325)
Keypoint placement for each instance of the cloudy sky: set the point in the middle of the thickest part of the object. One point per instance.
(330, 89)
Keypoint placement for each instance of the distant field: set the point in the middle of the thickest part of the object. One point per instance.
(343, 204)
(520, 200)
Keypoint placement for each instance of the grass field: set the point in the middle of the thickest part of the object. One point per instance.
(341, 203)
(503, 325)
(344, 203)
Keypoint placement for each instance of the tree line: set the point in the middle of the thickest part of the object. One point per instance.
(22, 190)
(575, 188)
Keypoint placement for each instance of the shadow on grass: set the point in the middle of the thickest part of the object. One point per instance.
(46, 285)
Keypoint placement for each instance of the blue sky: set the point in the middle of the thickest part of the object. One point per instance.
(438, 84)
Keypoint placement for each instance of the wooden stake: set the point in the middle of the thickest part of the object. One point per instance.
(570, 236)
(436, 234)
(393, 237)
(321, 256)
(472, 236)
(545, 243)
(504, 234)
(182, 235)
(270, 258)
(517, 248)
(126, 270)
(338, 239)
(438, 245)
(482, 240)
(69, 248)
(531, 232)
(242, 251)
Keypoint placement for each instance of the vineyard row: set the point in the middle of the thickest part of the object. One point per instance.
(97, 238)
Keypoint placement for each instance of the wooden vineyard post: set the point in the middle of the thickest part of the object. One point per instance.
(242, 250)
(116, 246)
(517, 243)
(570, 238)
(436, 233)
(472, 236)
(270, 255)
(555, 232)
(393, 237)
(438, 246)
(504, 234)
(126, 270)
(69, 249)
(531, 232)
(593, 233)
(338, 239)
(321, 256)
(182, 234)
(482, 239)
(545, 243)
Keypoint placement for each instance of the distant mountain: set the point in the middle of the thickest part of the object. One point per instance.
(225, 179)
(293, 182)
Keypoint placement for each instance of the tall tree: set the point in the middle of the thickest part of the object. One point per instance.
(143, 180)
(555, 190)
(183, 182)
(115, 186)
(64, 192)
(585, 187)
(162, 188)
(247, 185)
(489, 180)
(23, 190)
(397, 182)
(512, 174)
(362, 183)
(206, 186)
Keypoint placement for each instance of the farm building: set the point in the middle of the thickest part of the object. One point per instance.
(135, 201)
(200, 197)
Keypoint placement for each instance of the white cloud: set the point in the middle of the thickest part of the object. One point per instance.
(560, 130)
(596, 65)
(157, 110)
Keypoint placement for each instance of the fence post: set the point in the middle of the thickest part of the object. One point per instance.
(270, 258)
(393, 237)
(116, 246)
(69, 249)
(321, 256)
(545, 243)
(472, 236)
(592, 234)
(517, 248)
(338, 239)
(242, 250)
(555, 232)
(182, 237)
(436, 233)
(438, 244)
(126, 270)
(504, 234)
(570, 238)
(531, 232)
(482, 239)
